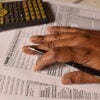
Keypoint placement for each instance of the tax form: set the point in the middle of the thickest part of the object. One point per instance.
(19, 81)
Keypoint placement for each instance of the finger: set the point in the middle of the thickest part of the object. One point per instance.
(61, 29)
(78, 41)
(47, 59)
(57, 29)
(62, 54)
(79, 77)
(51, 37)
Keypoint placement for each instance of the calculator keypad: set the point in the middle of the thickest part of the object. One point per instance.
(22, 11)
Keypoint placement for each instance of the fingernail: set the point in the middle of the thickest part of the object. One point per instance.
(66, 81)
(26, 50)
(49, 28)
(33, 38)
(35, 68)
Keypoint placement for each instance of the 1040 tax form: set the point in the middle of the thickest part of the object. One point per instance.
(19, 81)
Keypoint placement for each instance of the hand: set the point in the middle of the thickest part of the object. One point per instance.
(69, 45)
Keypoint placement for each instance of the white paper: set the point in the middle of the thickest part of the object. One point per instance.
(20, 86)
(17, 66)
(90, 3)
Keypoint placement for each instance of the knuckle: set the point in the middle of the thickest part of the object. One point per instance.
(87, 36)
(80, 78)
(57, 36)
(73, 29)
(54, 52)
(41, 38)
(84, 37)
(50, 44)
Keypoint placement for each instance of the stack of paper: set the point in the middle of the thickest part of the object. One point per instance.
(18, 80)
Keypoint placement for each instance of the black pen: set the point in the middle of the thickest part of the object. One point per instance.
(76, 65)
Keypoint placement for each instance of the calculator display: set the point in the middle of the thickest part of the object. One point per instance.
(22, 13)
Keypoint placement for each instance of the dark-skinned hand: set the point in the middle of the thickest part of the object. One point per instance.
(69, 45)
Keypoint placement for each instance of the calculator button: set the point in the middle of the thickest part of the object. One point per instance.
(16, 19)
(12, 20)
(35, 5)
(38, 17)
(40, 4)
(32, 13)
(43, 14)
(27, 13)
(21, 15)
(37, 11)
(3, 12)
(7, 20)
(29, 2)
(25, 10)
(5, 5)
(27, 17)
(39, 1)
(15, 8)
(1, 6)
(33, 1)
(10, 6)
(33, 17)
(1, 20)
(41, 8)
(21, 19)
(31, 9)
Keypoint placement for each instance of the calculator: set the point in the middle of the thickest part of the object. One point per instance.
(18, 14)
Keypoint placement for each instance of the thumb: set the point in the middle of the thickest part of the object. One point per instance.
(46, 59)
(79, 77)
